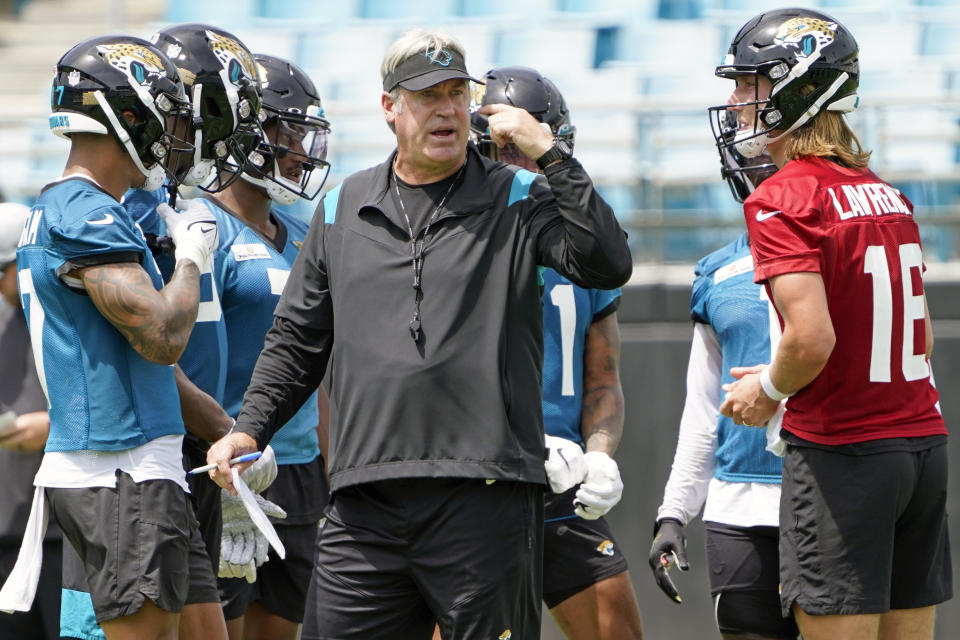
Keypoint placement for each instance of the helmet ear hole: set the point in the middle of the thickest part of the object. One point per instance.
(211, 108)
(130, 117)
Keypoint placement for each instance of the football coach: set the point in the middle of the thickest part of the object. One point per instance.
(418, 284)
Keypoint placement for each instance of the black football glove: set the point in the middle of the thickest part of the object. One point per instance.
(669, 546)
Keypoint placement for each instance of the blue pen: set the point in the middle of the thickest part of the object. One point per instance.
(247, 457)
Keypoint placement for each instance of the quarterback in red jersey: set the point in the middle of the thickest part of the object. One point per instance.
(864, 551)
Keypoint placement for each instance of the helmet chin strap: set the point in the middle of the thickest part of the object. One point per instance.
(200, 171)
(753, 146)
(155, 174)
(276, 191)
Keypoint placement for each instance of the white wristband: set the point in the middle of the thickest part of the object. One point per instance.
(767, 384)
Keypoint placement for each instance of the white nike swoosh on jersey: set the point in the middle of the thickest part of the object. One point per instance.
(107, 219)
(761, 216)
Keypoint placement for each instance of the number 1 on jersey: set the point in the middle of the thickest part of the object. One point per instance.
(562, 297)
(875, 264)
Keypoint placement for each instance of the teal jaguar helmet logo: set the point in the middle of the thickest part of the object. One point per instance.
(809, 35)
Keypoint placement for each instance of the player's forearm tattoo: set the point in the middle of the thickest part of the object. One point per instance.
(157, 324)
(601, 418)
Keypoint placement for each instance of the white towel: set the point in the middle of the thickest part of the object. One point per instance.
(21, 586)
(775, 443)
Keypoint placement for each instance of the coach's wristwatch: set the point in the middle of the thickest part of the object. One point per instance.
(559, 151)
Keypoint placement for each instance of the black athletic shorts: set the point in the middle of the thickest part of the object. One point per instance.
(864, 533)
(743, 564)
(125, 544)
(205, 496)
(281, 586)
(577, 553)
(395, 555)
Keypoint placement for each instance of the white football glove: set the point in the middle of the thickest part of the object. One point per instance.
(243, 547)
(193, 230)
(564, 464)
(261, 473)
(602, 487)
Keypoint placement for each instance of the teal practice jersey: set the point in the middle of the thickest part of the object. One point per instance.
(725, 297)
(237, 303)
(103, 395)
(568, 312)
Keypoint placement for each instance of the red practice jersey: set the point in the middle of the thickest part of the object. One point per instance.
(858, 233)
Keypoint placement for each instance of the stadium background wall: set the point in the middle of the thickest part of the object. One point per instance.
(656, 333)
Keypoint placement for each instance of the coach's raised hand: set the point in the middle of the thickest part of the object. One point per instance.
(512, 124)
(225, 449)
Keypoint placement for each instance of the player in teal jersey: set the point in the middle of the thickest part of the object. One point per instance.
(586, 582)
(258, 244)
(220, 79)
(105, 330)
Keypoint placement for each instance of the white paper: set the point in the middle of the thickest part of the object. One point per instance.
(257, 515)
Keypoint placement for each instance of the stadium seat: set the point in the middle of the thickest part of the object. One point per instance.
(309, 10)
(571, 48)
(941, 39)
(421, 11)
(629, 9)
(503, 8)
(240, 12)
(680, 9)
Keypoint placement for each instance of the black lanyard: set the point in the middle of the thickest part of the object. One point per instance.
(417, 247)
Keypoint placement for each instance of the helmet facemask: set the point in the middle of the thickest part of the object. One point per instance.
(291, 160)
(233, 131)
(224, 93)
(743, 174)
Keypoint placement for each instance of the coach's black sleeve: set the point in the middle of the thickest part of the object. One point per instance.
(296, 348)
(576, 231)
(288, 371)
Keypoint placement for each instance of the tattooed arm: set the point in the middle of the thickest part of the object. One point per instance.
(601, 418)
(156, 323)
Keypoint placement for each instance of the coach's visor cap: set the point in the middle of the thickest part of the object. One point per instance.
(427, 68)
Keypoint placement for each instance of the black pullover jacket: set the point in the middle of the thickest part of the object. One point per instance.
(464, 399)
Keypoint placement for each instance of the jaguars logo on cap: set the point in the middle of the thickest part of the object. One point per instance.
(441, 57)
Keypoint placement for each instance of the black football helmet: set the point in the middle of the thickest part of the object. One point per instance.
(223, 87)
(293, 125)
(525, 88)
(99, 79)
(795, 49)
